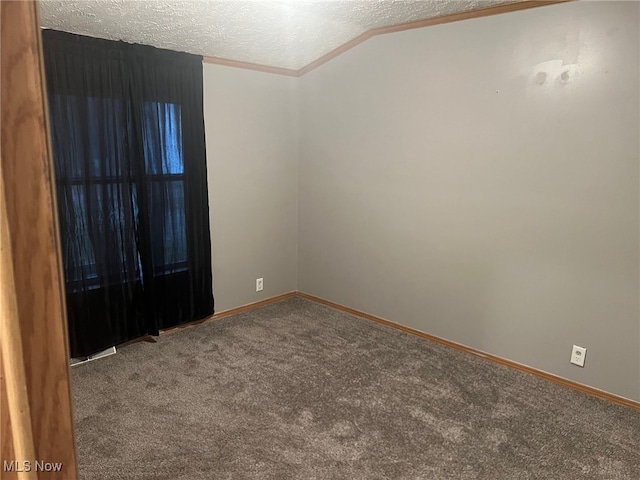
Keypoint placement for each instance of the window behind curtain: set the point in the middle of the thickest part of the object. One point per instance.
(164, 167)
(128, 144)
(98, 209)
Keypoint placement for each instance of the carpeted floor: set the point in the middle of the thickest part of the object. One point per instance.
(299, 390)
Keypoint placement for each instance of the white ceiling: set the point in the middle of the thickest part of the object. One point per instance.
(280, 33)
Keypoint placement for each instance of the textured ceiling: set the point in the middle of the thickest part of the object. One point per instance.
(287, 34)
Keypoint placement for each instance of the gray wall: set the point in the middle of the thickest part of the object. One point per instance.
(479, 181)
(251, 122)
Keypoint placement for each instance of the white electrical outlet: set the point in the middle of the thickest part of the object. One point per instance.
(259, 284)
(577, 355)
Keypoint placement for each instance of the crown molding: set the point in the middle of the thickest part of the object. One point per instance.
(251, 66)
(428, 22)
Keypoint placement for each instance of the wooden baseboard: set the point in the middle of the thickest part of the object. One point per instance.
(493, 358)
(458, 346)
(231, 311)
(253, 306)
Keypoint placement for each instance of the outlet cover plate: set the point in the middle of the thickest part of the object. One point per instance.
(577, 355)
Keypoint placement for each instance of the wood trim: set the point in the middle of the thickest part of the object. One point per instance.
(26, 169)
(428, 22)
(6, 432)
(14, 378)
(478, 13)
(336, 52)
(458, 346)
(251, 66)
(253, 306)
(231, 311)
(626, 402)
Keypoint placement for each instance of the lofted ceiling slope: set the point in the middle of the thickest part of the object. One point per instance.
(289, 34)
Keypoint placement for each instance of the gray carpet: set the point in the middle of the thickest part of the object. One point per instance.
(299, 390)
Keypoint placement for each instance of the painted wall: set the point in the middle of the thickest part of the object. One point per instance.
(251, 123)
(479, 181)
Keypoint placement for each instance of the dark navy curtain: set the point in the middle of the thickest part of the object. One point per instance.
(127, 132)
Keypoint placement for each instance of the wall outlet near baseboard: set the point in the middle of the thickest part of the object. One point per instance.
(259, 284)
(577, 355)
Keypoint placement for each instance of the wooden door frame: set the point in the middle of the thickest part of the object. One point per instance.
(36, 408)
